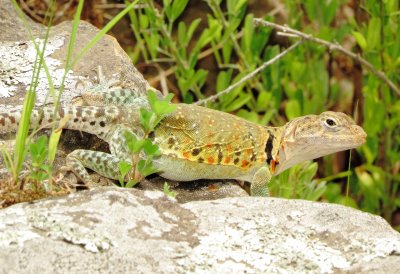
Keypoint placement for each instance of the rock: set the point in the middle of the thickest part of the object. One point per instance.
(132, 231)
(17, 55)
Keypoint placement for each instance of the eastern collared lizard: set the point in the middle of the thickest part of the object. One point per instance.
(195, 142)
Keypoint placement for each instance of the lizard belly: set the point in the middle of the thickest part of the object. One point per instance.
(183, 170)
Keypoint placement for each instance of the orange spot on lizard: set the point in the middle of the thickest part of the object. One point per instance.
(186, 154)
(210, 160)
(227, 160)
(244, 163)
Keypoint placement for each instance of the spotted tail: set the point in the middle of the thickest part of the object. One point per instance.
(91, 119)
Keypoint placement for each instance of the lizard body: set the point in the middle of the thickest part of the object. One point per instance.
(196, 142)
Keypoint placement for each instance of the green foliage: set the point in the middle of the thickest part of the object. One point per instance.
(143, 150)
(308, 80)
(158, 110)
(39, 169)
(167, 191)
(297, 183)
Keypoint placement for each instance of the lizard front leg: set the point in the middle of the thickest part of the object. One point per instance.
(259, 183)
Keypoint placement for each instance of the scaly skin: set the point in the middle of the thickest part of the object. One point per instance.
(196, 142)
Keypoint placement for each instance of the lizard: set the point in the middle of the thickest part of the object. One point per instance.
(195, 142)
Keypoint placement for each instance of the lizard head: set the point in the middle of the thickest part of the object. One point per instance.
(314, 136)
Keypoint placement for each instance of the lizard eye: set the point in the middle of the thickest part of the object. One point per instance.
(330, 122)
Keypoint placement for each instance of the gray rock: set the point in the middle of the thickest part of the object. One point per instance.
(132, 231)
(17, 58)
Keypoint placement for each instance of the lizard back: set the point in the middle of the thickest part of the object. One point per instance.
(203, 135)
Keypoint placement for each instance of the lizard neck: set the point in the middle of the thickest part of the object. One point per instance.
(289, 152)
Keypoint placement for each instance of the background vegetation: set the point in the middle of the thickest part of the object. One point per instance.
(198, 48)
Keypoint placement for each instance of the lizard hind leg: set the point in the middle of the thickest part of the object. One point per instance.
(103, 163)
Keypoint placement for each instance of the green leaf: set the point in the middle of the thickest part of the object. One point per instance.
(55, 138)
(150, 148)
(248, 32)
(242, 99)
(167, 190)
(314, 191)
(193, 59)
(200, 77)
(131, 183)
(182, 34)
(160, 107)
(134, 145)
(152, 42)
(53, 142)
(214, 31)
(124, 168)
(146, 118)
(178, 6)
(146, 168)
(263, 100)
(235, 6)
(374, 33)
(239, 5)
(167, 9)
(292, 109)
(267, 116)
(38, 149)
(223, 80)
(348, 201)
(248, 115)
(143, 21)
(169, 97)
(229, 97)
(360, 40)
(227, 52)
(191, 30)
(152, 97)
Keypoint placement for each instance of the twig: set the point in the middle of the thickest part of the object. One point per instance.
(251, 74)
(331, 47)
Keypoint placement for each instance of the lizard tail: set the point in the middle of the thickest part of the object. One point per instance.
(90, 119)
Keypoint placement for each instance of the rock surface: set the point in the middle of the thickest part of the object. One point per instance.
(132, 231)
(17, 57)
